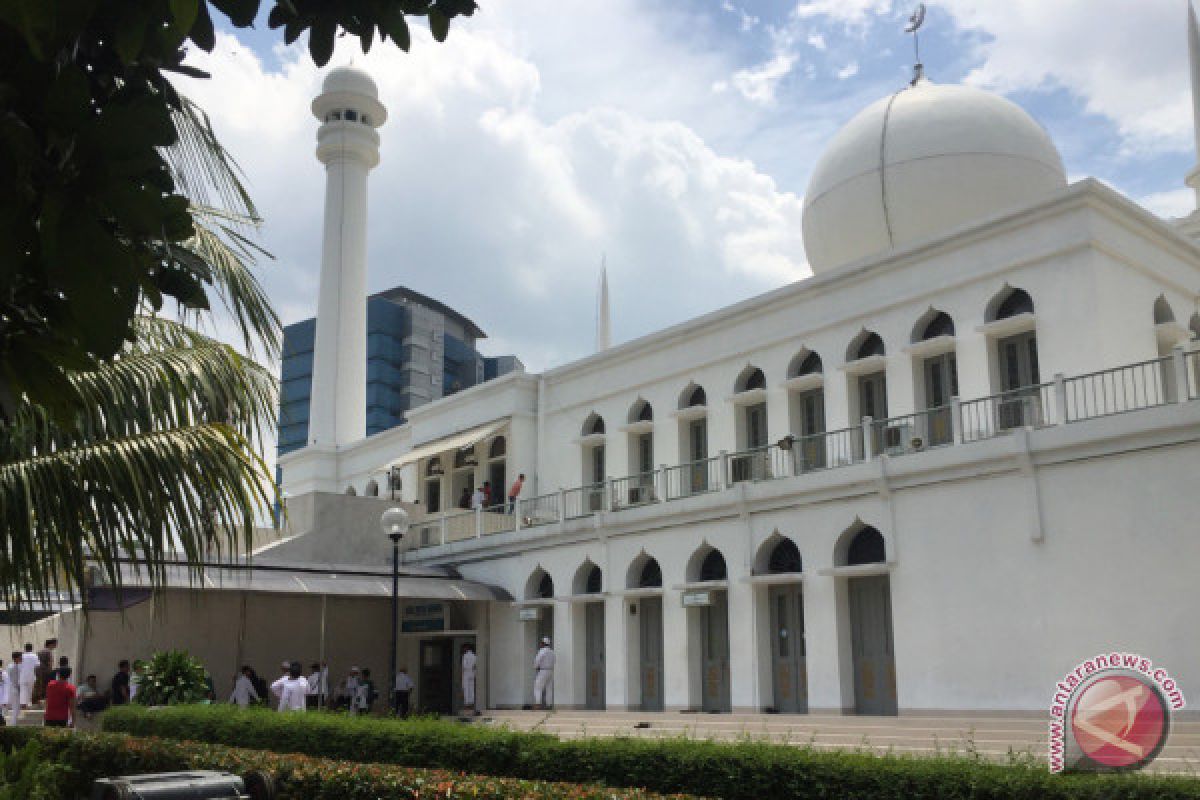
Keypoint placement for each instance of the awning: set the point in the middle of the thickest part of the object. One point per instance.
(455, 442)
(281, 581)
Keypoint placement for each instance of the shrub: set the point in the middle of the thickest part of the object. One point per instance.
(742, 771)
(172, 678)
(83, 757)
(25, 774)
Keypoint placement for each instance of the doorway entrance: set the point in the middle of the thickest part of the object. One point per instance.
(714, 647)
(872, 644)
(788, 648)
(437, 676)
(593, 614)
(650, 632)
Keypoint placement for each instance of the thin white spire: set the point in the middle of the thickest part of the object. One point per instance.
(603, 320)
(1193, 178)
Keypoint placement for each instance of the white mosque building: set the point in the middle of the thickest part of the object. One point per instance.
(955, 462)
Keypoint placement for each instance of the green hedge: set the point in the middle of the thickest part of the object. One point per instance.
(87, 756)
(741, 771)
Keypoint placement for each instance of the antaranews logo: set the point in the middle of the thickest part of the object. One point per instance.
(1112, 712)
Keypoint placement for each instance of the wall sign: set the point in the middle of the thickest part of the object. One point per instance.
(531, 614)
(423, 617)
(696, 599)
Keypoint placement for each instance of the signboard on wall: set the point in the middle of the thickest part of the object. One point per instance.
(531, 614)
(423, 617)
(696, 599)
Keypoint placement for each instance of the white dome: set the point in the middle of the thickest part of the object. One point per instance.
(921, 162)
(351, 80)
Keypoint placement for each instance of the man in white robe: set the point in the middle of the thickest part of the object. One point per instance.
(469, 661)
(543, 676)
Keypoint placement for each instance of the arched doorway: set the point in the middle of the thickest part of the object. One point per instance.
(646, 574)
(870, 605)
(590, 581)
(712, 629)
(789, 668)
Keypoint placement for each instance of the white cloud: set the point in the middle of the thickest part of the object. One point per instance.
(1170, 204)
(491, 203)
(817, 41)
(1128, 61)
(848, 71)
(758, 84)
(849, 12)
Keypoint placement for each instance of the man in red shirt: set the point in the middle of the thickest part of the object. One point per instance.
(60, 700)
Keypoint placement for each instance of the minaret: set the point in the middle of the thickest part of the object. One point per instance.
(1193, 177)
(603, 322)
(348, 145)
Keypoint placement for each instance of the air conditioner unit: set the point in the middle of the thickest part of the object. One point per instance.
(1018, 412)
(896, 438)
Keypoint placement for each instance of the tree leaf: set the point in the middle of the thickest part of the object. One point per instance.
(439, 24)
(320, 40)
(202, 31)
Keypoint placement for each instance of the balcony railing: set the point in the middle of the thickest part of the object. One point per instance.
(634, 490)
(1147, 384)
(997, 414)
(1114, 391)
(693, 478)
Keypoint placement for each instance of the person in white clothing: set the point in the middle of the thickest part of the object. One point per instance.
(477, 498)
(404, 687)
(469, 661)
(3, 686)
(350, 690)
(28, 675)
(291, 689)
(543, 676)
(13, 677)
(244, 692)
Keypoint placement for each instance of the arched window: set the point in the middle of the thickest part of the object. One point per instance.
(865, 345)
(1009, 303)
(594, 424)
(641, 412)
(751, 378)
(545, 587)
(805, 363)
(465, 458)
(785, 557)
(434, 468)
(1162, 311)
(650, 576)
(866, 547)
(372, 489)
(712, 568)
(595, 581)
(350, 491)
(932, 325)
(498, 448)
(693, 396)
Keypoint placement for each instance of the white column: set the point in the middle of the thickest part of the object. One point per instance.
(676, 667)
(822, 646)
(743, 648)
(617, 664)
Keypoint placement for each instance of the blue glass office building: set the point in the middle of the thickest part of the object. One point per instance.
(418, 350)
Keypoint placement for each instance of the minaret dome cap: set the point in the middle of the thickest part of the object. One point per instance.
(351, 80)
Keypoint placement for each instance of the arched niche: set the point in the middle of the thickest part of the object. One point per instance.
(540, 585)
(707, 564)
(589, 579)
(644, 573)
(932, 324)
(864, 345)
(1008, 302)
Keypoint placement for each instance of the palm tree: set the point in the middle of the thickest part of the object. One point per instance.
(161, 457)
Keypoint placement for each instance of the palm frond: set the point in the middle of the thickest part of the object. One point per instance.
(228, 253)
(202, 167)
(198, 488)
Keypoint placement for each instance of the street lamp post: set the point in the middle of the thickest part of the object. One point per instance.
(395, 524)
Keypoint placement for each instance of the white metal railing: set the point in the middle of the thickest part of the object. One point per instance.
(583, 501)
(634, 490)
(695, 477)
(1127, 388)
(1146, 384)
(540, 510)
(1028, 407)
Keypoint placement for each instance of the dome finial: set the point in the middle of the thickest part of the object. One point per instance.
(914, 24)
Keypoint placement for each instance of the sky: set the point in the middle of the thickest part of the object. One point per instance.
(674, 139)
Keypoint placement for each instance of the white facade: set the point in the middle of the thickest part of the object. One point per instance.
(935, 422)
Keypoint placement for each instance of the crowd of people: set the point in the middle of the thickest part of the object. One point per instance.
(487, 499)
(32, 679)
